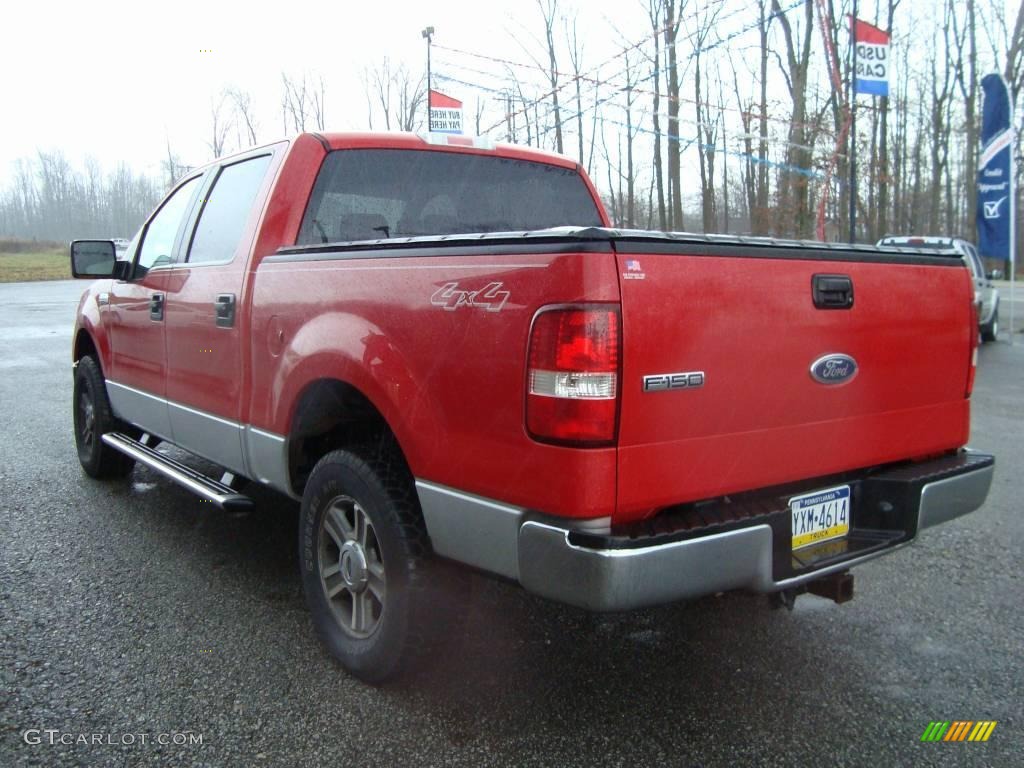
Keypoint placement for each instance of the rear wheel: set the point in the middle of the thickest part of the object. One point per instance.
(990, 330)
(93, 418)
(378, 597)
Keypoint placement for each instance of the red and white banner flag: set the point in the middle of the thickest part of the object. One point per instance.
(871, 59)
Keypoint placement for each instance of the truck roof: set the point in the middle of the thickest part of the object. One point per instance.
(403, 140)
(443, 141)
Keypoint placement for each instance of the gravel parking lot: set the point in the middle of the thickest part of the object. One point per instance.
(134, 609)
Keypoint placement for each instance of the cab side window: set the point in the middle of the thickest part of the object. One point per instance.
(226, 211)
(158, 242)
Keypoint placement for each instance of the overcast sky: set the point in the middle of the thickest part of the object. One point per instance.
(116, 80)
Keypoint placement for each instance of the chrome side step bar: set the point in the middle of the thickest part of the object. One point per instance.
(205, 487)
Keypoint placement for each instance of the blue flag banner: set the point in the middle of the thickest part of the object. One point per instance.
(995, 184)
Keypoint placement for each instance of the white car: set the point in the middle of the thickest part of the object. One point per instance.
(985, 294)
(120, 246)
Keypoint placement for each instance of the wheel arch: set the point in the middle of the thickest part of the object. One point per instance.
(83, 346)
(329, 414)
(88, 340)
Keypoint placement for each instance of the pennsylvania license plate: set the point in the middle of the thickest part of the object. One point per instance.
(820, 516)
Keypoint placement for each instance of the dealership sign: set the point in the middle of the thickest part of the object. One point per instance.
(995, 177)
(445, 113)
(871, 59)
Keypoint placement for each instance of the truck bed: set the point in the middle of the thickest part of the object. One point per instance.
(738, 310)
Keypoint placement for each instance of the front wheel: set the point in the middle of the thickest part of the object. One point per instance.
(377, 596)
(93, 418)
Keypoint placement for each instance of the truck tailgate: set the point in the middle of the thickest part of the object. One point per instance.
(746, 320)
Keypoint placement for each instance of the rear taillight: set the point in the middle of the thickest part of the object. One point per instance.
(572, 381)
(973, 362)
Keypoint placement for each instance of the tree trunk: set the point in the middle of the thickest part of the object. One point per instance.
(655, 16)
(675, 186)
(794, 218)
(549, 9)
(760, 212)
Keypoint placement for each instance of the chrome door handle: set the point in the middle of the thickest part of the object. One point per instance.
(156, 307)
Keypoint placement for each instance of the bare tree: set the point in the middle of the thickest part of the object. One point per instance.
(172, 166)
(525, 111)
(221, 123)
(725, 159)
(244, 117)
(941, 96)
(630, 212)
(1015, 54)
(673, 10)
(760, 215)
(707, 133)
(654, 13)
(794, 216)
(399, 94)
(317, 97)
(883, 177)
(549, 11)
(49, 199)
(478, 114)
(966, 73)
(295, 102)
(576, 59)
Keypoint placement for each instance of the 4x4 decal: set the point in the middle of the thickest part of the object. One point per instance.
(449, 297)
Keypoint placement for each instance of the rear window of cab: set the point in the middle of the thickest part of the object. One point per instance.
(370, 194)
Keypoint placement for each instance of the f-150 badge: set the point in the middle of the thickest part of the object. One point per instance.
(660, 382)
(450, 297)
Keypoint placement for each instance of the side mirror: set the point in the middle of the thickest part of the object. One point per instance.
(995, 274)
(92, 259)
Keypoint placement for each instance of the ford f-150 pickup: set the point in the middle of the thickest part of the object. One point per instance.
(443, 350)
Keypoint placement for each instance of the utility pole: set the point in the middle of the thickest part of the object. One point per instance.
(428, 35)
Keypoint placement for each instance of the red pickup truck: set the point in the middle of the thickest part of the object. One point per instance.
(444, 351)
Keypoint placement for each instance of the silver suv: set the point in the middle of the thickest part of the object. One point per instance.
(986, 297)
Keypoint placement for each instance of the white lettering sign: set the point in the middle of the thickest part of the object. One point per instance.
(445, 120)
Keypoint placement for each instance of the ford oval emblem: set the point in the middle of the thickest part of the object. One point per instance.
(833, 369)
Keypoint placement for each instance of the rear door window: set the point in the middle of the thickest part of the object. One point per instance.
(226, 210)
(370, 194)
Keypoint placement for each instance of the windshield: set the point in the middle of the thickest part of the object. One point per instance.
(369, 194)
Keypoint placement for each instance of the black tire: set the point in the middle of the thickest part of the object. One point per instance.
(93, 418)
(407, 597)
(990, 330)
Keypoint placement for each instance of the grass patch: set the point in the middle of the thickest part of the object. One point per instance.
(25, 267)
(19, 245)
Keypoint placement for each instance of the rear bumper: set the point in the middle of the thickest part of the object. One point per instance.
(609, 573)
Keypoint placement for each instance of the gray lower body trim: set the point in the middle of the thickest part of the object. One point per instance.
(542, 557)
(267, 459)
(471, 529)
(212, 437)
(945, 500)
(140, 408)
(241, 448)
